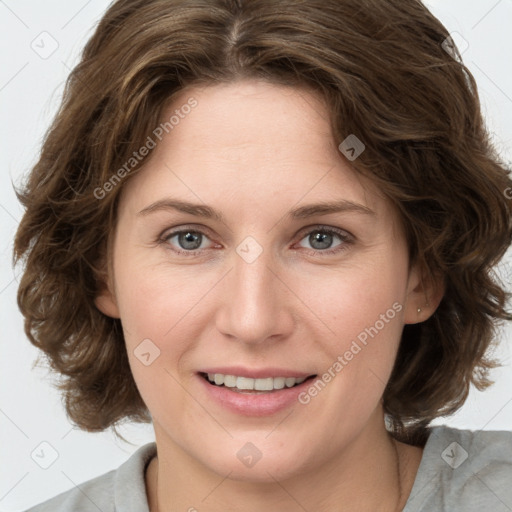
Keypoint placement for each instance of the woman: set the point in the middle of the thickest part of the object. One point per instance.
(268, 229)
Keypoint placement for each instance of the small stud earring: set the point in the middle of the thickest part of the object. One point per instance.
(419, 309)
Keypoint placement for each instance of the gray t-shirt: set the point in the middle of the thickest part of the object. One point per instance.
(461, 470)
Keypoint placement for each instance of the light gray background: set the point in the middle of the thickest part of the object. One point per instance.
(30, 89)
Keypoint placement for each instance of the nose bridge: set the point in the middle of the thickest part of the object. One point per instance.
(253, 307)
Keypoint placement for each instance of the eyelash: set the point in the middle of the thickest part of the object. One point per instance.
(345, 237)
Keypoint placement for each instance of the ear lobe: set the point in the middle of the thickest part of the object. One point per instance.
(106, 302)
(423, 296)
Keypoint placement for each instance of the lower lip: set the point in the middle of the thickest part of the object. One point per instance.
(253, 404)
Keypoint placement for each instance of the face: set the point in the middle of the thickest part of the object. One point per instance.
(259, 284)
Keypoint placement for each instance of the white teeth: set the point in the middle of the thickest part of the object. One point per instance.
(229, 381)
(264, 384)
(246, 383)
(279, 382)
(289, 382)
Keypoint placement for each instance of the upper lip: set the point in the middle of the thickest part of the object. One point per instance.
(256, 373)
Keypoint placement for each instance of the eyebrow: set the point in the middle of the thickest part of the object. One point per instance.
(303, 212)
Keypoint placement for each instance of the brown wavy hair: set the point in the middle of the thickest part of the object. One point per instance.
(382, 69)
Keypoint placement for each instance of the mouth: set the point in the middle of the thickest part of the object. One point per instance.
(255, 386)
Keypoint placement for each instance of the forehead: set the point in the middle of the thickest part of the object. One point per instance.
(259, 125)
(251, 141)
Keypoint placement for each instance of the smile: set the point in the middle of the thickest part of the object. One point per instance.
(239, 383)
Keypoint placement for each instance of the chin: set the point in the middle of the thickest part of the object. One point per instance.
(262, 472)
(245, 462)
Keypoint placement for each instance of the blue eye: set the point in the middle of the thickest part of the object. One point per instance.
(321, 239)
(189, 242)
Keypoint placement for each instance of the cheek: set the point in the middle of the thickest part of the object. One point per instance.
(361, 315)
(163, 312)
(351, 299)
(153, 302)
(158, 314)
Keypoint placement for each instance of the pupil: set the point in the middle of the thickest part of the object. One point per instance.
(321, 237)
(189, 240)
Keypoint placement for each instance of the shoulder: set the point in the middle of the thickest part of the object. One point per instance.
(121, 490)
(88, 496)
(477, 453)
(464, 470)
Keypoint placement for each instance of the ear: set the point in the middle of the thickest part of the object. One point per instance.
(423, 295)
(105, 299)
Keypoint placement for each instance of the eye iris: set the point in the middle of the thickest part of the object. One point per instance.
(321, 237)
(189, 239)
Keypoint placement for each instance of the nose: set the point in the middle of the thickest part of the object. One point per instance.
(256, 302)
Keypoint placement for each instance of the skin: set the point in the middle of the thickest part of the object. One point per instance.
(253, 151)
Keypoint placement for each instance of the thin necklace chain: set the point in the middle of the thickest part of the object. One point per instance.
(399, 475)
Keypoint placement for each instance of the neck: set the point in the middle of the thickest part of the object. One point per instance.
(374, 473)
